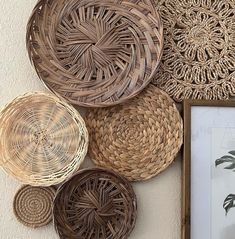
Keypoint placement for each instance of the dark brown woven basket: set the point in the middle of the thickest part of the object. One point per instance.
(95, 203)
(95, 52)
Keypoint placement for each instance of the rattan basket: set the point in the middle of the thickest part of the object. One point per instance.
(95, 53)
(43, 140)
(33, 205)
(95, 203)
(138, 139)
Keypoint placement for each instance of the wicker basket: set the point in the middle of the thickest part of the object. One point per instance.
(95, 53)
(43, 140)
(139, 139)
(95, 203)
(33, 205)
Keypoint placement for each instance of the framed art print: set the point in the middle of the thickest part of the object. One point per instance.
(208, 210)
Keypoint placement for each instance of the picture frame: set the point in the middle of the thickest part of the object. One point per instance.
(207, 123)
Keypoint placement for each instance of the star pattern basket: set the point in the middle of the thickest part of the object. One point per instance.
(43, 140)
(198, 59)
(139, 139)
(95, 203)
(33, 205)
(95, 53)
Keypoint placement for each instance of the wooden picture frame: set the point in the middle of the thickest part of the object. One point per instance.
(186, 166)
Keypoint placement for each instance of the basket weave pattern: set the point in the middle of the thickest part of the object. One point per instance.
(95, 53)
(43, 139)
(139, 139)
(33, 205)
(198, 58)
(95, 203)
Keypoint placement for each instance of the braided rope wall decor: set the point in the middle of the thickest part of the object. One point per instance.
(43, 140)
(199, 52)
(95, 203)
(139, 139)
(33, 205)
(95, 52)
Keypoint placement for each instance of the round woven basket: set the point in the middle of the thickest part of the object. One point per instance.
(43, 140)
(198, 58)
(95, 53)
(33, 205)
(95, 203)
(139, 139)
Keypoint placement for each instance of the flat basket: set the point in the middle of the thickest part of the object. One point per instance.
(32, 206)
(43, 140)
(95, 203)
(139, 139)
(95, 53)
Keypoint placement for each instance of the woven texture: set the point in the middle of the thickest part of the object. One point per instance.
(139, 139)
(198, 59)
(95, 203)
(42, 140)
(95, 53)
(33, 205)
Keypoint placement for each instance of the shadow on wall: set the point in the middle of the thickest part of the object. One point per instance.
(228, 232)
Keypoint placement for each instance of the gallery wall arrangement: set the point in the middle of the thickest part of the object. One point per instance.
(130, 64)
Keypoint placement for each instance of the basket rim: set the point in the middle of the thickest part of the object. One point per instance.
(75, 116)
(99, 169)
(102, 103)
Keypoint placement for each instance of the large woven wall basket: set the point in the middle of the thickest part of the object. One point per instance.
(95, 53)
(43, 140)
(95, 203)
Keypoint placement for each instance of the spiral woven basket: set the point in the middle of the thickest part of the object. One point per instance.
(198, 58)
(43, 140)
(139, 139)
(33, 205)
(95, 203)
(95, 53)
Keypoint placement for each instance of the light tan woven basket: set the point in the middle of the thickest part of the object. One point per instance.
(43, 139)
(95, 53)
(138, 139)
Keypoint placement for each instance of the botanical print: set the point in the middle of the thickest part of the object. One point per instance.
(222, 183)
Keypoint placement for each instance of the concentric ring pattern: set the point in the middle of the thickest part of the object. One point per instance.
(139, 139)
(33, 205)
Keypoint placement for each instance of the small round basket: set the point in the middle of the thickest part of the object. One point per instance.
(43, 140)
(139, 139)
(95, 203)
(95, 53)
(33, 205)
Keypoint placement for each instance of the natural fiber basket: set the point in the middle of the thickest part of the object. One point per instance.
(95, 203)
(198, 59)
(138, 139)
(95, 53)
(33, 205)
(43, 140)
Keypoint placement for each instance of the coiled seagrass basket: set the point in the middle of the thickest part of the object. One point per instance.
(95, 203)
(94, 52)
(43, 140)
(33, 205)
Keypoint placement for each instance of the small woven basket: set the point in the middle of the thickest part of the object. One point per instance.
(139, 139)
(33, 205)
(43, 140)
(95, 203)
(95, 53)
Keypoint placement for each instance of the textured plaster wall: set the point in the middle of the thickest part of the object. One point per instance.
(158, 199)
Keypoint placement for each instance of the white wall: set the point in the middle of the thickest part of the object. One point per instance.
(158, 199)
